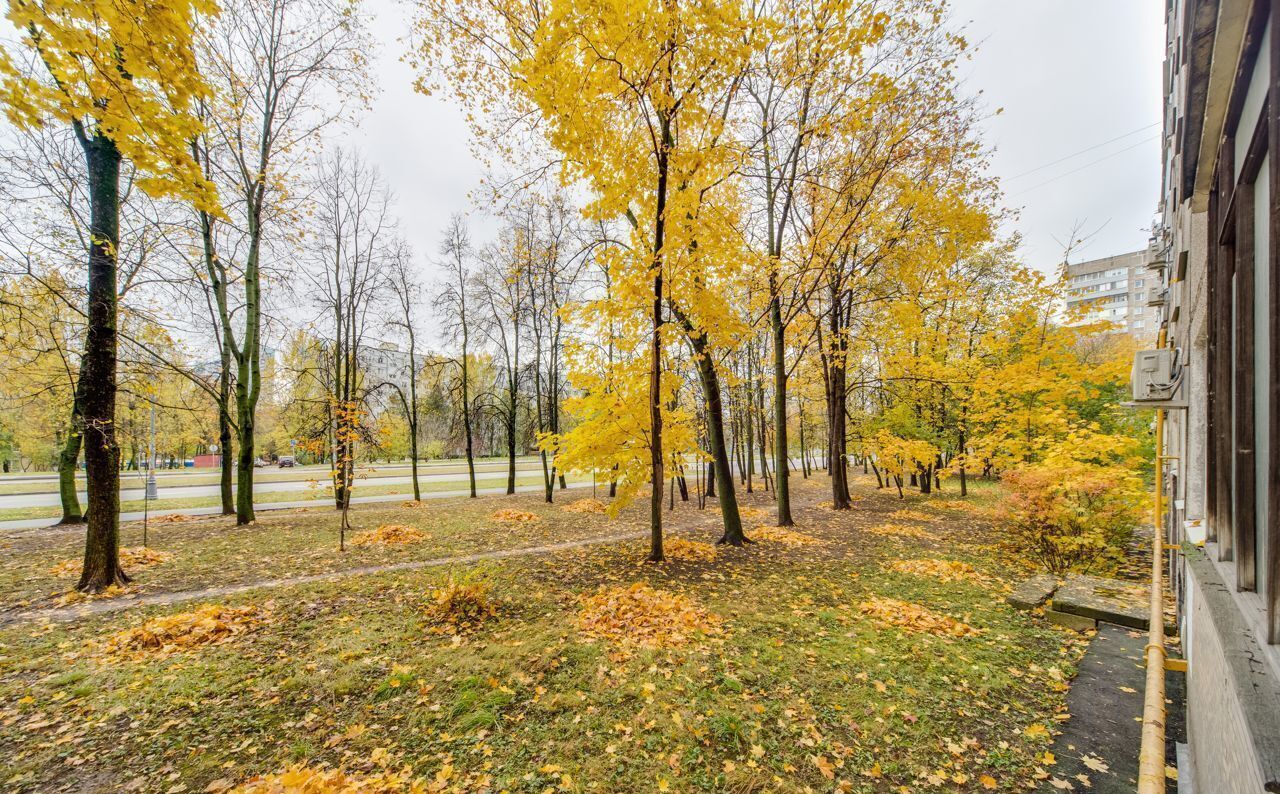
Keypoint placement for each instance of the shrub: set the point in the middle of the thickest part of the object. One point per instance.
(1073, 516)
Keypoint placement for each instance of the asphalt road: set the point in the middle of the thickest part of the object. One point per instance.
(169, 487)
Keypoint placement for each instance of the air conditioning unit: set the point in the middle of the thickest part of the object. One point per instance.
(1156, 375)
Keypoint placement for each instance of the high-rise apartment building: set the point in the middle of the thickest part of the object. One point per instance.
(1117, 289)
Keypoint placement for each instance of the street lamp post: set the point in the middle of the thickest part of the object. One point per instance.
(152, 488)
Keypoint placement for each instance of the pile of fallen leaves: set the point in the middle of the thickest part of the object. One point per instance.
(388, 535)
(750, 512)
(172, 518)
(786, 537)
(914, 618)
(412, 504)
(907, 514)
(587, 505)
(211, 624)
(641, 615)
(943, 570)
(900, 531)
(461, 604)
(956, 504)
(691, 550)
(303, 779)
(512, 516)
(140, 557)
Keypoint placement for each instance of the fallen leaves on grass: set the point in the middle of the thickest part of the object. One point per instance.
(900, 531)
(942, 570)
(641, 615)
(914, 618)
(691, 550)
(140, 557)
(303, 779)
(172, 518)
(388, 535)
(511, 516)
(587, 505)
(907, 514)
(461, 604)
(786, 537)
(211, 624)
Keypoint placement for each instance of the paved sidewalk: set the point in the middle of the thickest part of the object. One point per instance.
(1101, 741)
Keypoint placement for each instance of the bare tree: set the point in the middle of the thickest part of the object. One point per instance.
(454, 312)
(281, 70)
(349, 276)
(407, 293)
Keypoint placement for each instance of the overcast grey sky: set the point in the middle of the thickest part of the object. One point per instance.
(1069, 75)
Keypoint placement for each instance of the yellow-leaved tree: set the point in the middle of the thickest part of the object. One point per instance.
(122, 74)
(636, 99)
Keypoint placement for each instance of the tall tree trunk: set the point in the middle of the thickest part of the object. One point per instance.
(67, 460)
(97, 386)
(723, 485)
(225, 491)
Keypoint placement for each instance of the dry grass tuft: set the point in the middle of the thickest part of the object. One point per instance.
(140, 557)
(900, 531)
(786, 537)
(691, 550)
(461, 604)
(389, 535)
(211, 624)
(915, 618)
(512, 516)
(640, 615)
(587, 505)
(942, 570)
(303, 779)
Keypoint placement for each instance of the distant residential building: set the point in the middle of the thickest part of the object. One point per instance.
(1117, 289)
(385, 363)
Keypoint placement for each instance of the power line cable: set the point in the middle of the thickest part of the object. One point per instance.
(1086, 165)
(1073, 155)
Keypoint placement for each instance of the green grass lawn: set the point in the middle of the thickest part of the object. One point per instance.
(363, 487)
(786, 684)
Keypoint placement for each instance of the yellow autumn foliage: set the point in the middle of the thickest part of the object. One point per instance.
(585, 506)
(786, 537)
(512, 516)
(900, 531)
(914, 618)
(461, 604)
(140, 557)
(690, 550)
(942, 570)
(640, 615)
(303, 779)
(211, 624)
(389, 535)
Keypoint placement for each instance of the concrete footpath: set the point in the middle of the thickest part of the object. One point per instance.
(1098, 748)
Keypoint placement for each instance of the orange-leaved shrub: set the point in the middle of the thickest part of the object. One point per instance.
(1072, 516)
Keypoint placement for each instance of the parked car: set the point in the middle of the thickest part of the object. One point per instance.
(287, 462)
